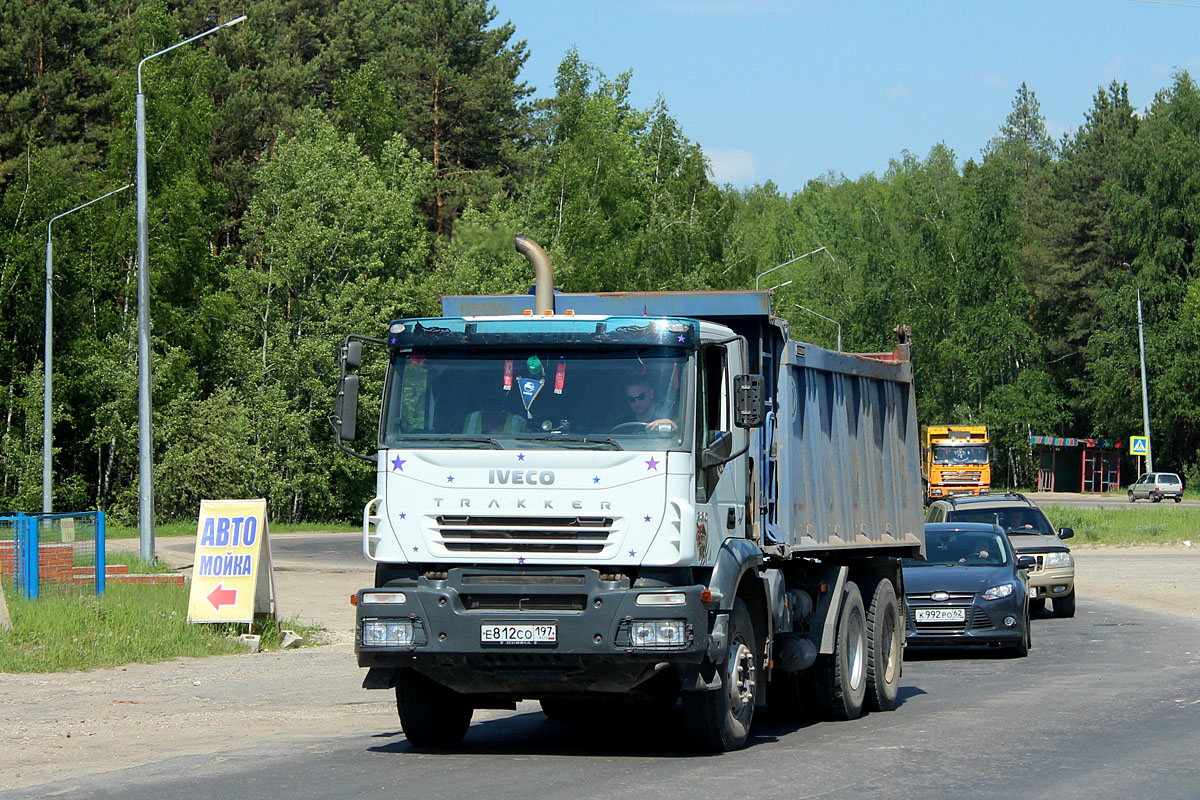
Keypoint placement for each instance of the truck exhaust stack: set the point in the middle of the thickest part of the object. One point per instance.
(543, 299)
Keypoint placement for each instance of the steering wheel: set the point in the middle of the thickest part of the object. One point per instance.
(630, 427)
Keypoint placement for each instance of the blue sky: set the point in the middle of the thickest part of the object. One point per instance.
(789, 90)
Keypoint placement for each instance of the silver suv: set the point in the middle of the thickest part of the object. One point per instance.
(1154, 486)
(1053, 575)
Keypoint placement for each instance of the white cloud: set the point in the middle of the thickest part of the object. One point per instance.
(732, 166)
(898, 92)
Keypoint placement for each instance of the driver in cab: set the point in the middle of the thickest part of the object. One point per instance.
(644, 406)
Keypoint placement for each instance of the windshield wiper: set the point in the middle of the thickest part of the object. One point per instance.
(563, 437)
(1027, 532)
(451, 439)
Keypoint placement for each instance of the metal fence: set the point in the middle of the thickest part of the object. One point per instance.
(59, 553)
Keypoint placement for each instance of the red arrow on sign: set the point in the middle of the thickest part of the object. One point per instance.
(221, 596)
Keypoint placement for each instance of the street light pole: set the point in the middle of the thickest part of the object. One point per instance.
(822, 316)
(784, 264)
(48, 383)
(1145, 397)
(145, 442)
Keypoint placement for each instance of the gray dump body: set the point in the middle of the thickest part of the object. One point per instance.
(837, 466)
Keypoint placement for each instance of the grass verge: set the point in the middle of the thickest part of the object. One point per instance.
(1148, 524)
(130, 623)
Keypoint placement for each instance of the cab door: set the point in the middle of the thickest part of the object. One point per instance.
(721, 486)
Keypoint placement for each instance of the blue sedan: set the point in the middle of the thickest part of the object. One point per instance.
(971, 589)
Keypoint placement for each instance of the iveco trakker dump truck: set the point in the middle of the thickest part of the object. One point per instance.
(621, 503)
(955, 460)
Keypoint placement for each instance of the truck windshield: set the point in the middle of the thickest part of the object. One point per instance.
(619, 398)
(955, 454)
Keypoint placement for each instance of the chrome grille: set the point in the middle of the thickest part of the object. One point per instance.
(488, 534)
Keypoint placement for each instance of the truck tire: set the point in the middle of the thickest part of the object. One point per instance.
(430, 714)
(719, 721)
(840, 677)
(885, 650)
(1065, 606)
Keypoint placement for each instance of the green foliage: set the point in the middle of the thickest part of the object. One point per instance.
(326, 167)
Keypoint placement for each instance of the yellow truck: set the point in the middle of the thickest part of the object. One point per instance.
(955, 460)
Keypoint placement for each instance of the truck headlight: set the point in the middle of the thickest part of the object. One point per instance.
(1059, 560)
(653, 634)
(387, 633)
(997, 592)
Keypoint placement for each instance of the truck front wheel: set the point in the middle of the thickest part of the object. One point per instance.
(430, 714)
(885, 651)
(840, 677)
(720, 720)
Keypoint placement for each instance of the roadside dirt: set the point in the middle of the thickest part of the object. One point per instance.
(58, 725)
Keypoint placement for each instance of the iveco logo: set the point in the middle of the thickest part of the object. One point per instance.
(939, 596)
(520, 476)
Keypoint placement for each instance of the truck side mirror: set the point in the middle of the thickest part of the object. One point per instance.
(717, 453)
(351, 356)
(749, 404)
(345, 408)
(1066, 533)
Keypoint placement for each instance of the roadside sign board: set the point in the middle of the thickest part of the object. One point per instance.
(232, 576)
(1138, 445)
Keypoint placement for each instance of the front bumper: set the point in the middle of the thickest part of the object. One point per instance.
(983, 623)
(591, 617)
(1048, 584)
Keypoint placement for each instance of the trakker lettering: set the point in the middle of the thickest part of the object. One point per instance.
(465, 502)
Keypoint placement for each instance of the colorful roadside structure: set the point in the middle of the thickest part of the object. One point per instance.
(1067, 464)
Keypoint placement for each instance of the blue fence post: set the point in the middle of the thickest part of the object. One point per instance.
(100, 567)
(34, 534)
(27, 534)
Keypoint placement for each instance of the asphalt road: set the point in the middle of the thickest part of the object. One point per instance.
(1106, 706)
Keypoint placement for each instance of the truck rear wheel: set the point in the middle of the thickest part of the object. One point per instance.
(885, 651)
(430, 714)
(720, 720)
(840, 677)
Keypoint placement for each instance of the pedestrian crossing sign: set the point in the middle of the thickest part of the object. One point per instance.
(1138, 445)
